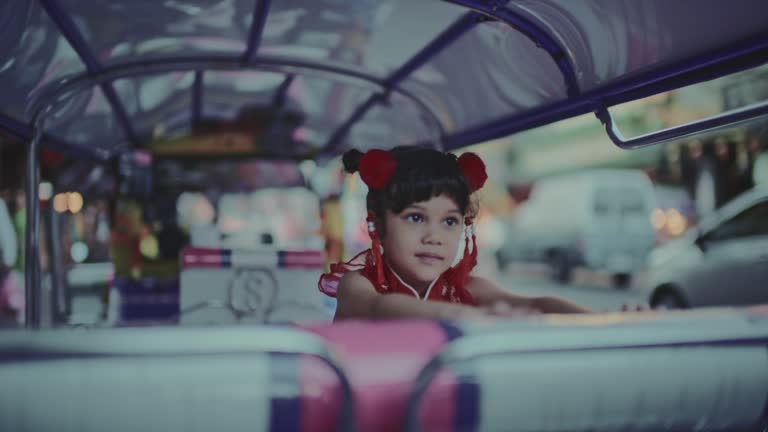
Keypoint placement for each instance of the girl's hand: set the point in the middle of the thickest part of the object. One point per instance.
(504, 309)
(455, 312)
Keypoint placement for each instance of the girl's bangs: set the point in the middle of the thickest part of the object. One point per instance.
(424, 185)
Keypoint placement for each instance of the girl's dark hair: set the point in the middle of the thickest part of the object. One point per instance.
(421, 173)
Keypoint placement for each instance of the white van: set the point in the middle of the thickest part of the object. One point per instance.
(599, 219)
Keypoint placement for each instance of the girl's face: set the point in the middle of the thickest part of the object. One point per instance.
(421, 242)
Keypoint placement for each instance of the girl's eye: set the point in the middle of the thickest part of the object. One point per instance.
(414, 217)
(451, 221)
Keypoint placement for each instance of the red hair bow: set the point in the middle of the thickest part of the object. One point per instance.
(376, 168)
(473, 169)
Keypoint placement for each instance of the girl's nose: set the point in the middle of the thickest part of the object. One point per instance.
(431, 235)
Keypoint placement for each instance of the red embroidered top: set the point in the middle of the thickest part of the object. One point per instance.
(440, 289)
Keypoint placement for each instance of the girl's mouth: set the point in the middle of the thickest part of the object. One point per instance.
(429, 259)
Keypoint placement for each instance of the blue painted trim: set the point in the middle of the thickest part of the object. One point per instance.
(226, 258)
(451, 330)
(69, 30)
(533, 31)
(468, 402)
(260, 13)
(729, 60)
(285, 406)
(763, 421)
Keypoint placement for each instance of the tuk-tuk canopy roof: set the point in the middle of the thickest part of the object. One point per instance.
(298, 78)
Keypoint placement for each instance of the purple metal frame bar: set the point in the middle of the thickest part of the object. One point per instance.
(736, 58)
(70, 31)
(280, 65)
(278, 103)
(197, 98)
(463, 24)
(260, 12)
(341, 131)
(454, 31)
(726, 119)
(32, 289)
(206, 63)
(533, 31)
(282, 90)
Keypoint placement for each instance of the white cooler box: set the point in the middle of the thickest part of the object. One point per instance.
(224, 286)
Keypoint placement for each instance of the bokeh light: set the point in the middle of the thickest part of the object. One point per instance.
(74, 202)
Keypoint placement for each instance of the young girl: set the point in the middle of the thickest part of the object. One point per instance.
(419, 213)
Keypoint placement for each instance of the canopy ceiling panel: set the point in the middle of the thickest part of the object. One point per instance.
(476, 70)
(226, 93)
(326, 103)
(375, 35)
(159, 106)
(134, 30)
(393, 123)
(33, 54)
(87, 120)
(481, 77)
(610, 39)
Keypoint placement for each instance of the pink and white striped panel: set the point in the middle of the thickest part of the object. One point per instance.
(224, 258)
(381, 360)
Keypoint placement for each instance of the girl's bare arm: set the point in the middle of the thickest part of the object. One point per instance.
(486, 294)
(357, 299)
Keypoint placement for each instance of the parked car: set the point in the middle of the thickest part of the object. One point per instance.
(724, 261)
(600, 219)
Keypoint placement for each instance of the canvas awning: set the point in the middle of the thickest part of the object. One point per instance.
(309, 77)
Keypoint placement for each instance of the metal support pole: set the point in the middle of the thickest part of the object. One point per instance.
(59, 290)
(260, 12)
(32, 234)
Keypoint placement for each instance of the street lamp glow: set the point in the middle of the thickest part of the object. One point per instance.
(74, 202)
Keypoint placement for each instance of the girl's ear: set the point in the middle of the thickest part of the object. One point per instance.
(380, 228)
(378, 223)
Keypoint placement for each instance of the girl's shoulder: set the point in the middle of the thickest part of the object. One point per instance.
(355, 279)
